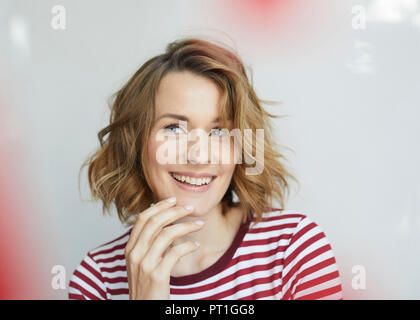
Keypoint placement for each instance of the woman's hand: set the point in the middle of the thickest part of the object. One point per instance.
(148, 258)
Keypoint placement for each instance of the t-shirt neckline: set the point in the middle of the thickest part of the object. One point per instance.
(216, 267)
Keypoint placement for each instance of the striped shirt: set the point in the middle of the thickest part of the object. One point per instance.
(286, 256)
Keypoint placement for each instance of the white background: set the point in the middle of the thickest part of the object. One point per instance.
(351, 96)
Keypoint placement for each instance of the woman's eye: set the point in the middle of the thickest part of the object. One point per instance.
(173, 127)
(216, 131)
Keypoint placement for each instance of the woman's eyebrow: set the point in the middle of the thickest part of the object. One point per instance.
(179, 117)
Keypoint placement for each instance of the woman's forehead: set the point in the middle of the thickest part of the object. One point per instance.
(187, 93)
(191, 97)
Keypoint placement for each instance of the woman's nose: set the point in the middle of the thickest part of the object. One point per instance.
(197, 154)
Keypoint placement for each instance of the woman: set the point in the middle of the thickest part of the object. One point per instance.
(189, 239)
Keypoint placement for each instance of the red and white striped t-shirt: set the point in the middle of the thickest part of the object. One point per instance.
(284, 256)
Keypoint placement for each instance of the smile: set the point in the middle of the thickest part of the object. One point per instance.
(187, 182)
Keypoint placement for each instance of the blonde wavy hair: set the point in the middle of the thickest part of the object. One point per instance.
(117, 170)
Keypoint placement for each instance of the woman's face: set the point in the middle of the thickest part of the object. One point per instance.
(186, 102)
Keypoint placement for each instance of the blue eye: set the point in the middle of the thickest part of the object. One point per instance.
(218, 131)
(173, 126)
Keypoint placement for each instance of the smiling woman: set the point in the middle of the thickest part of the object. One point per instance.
(196, 242)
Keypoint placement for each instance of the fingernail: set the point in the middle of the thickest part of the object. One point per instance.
(171, 200)
(189, 207)
(199, 222)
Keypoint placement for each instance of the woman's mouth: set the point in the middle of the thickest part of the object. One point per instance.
(193, 184)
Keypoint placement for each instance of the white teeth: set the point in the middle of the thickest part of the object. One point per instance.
(192, 180)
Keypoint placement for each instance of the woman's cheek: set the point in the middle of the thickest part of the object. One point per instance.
(219, 150)
(163, 152)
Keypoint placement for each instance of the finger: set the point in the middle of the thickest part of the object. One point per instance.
(173, 255)
(144, 216)
(151, 229)
(166, 237)
(156, 220)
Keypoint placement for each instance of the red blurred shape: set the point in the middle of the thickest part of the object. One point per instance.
(19, 263)
(262, 15)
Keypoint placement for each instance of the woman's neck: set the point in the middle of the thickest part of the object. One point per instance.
(215, 238)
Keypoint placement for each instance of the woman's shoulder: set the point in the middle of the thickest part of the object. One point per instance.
(289, 217)
(308, 264)
(88, 280)
(113, 246)
(292, 228)
(279, 217)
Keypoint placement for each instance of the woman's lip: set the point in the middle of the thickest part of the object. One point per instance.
(191, 188)
(194, 175)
